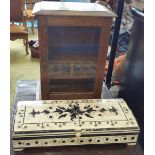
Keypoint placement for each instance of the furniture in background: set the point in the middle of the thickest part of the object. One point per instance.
(16, 10)
(28, 13)
(19, 32)
(17, 15)
(73, 46)
(132, 83)
(34, 47)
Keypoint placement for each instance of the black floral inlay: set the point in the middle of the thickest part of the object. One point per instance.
(34, 113)
(46, 112)
(112, 109)
(74, 111)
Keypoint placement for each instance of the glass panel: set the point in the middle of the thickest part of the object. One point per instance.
(68, 43)
(72, 55)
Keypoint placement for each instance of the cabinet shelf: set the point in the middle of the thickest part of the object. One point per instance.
(71, 56)
(71, 70)
(74, 85)
(70, 78)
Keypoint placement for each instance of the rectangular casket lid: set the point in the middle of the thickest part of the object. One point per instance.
(71, 9)
(91, 115)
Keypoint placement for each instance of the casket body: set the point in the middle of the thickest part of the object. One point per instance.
(73, 122)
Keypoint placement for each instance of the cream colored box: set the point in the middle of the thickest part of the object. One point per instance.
(73, 122)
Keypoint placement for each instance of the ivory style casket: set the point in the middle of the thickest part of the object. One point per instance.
(73, 122)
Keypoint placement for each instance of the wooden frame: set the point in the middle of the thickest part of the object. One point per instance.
(48, 19)
(29, 15)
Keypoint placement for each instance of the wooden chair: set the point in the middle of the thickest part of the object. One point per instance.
(17, 15)
(29, 15)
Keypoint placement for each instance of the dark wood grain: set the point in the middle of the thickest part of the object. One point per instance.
(43, 49)
(16, 10)
(76, 20)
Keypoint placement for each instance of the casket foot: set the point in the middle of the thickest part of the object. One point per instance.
(131, 144)
(18, 149)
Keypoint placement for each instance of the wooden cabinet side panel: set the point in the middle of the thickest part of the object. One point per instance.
(43, 49)
(102, 55)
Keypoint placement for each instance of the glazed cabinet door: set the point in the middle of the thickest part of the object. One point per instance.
(74, 58)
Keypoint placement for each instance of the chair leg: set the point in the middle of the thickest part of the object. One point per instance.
(25, 25)
(26, 46)
(32, 22)
(24, 42)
